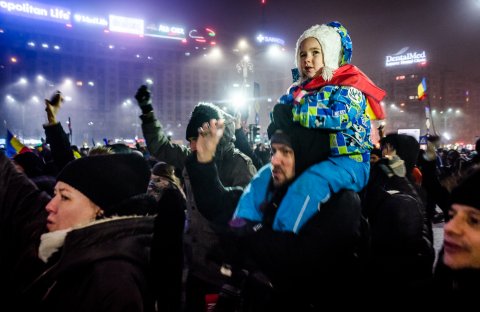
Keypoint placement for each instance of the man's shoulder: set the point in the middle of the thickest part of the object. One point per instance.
(237, 155)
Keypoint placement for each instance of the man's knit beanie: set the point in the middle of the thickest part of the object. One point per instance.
(201, 113)
(280, 137)
(108, 180)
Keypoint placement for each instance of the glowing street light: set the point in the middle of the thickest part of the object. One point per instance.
(243, 45)
(9, 98)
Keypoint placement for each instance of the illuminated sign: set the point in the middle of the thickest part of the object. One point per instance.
(202, 35)
(126, 25)
(405, 59)
(93, 20)
(267, 39)
(411, 132)
(165, 31)
(36, 10)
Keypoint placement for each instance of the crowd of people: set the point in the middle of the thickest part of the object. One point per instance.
(221, 226)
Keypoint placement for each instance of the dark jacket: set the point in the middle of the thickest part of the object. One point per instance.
(402, 251)
(241, 142)
(22, 222)
(455, 287)
(101, 267)
(234, 168)
(115, 264)
(324, 258)
(59, 145)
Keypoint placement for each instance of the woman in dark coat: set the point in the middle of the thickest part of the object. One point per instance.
(96, 250)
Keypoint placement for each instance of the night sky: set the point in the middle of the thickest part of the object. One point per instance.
(448, 30)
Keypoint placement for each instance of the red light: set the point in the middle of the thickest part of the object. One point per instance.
(211, 33)
(213, 43)
(184, 40)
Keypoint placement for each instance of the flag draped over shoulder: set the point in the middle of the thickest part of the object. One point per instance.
(350, 75)
(14, 146)
(422, 90)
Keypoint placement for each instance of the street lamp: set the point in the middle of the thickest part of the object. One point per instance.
(244, 67)
(446, 116)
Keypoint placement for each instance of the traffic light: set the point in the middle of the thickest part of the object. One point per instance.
(254, 133)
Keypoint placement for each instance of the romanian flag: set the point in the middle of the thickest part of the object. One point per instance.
(14, 146)
(422, 90)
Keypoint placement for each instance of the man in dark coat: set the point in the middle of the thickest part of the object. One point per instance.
(234, 168)
(324, 257)
(402, 252)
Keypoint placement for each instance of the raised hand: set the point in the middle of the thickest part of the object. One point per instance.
(52, 107)
(143, 96)
(209, 135)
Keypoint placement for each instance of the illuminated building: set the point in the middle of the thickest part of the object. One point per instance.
(107, 57)
(446, 89)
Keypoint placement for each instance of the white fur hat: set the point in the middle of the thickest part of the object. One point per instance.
(336, 47)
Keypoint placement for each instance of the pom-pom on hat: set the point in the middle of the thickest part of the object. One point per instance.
(336, 46)
(108, 180)
(466, 193)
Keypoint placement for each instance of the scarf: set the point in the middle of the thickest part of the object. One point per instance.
(352, 76)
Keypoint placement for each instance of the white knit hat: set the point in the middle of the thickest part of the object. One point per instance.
(336, 47)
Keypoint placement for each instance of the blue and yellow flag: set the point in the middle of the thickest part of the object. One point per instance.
(422, 90)
(14, 146)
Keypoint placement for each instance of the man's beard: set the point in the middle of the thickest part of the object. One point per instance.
(279, 172)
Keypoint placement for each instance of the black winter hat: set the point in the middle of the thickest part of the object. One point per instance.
(31, 164)
(281, 137)
(466, 193)
(310, 146)
(201, 113)
(108, 180)
(406, 147)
